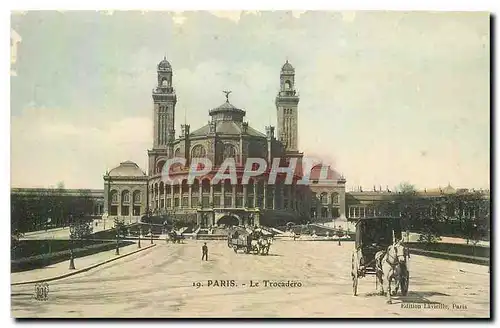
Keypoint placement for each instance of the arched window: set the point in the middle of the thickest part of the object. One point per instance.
(198, 151)
(239, 186)
(324, 198)
(177, 152)
(288, 85)
(114, 196)
(125, 196)
(217, 187)
(137, 196)
(229, 151)
(228, 188)
(184, 186)
(195, 186)
(205, 186)
(159, 166)
(335, 198)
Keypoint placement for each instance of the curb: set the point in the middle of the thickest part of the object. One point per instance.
(484, 261)
(41, 232)
(72, 273)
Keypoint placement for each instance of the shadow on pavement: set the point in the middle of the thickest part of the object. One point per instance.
(418, 297)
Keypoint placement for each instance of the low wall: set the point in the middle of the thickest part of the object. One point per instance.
(211, 237)
(29, 248)
(44, 259)
(461, 249)
(452, 257)
(455, 252)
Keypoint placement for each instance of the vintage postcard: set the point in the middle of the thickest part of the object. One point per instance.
(250, 164)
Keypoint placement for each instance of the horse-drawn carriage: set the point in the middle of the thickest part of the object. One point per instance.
(174, 237)
(379, 251)
(256, 241)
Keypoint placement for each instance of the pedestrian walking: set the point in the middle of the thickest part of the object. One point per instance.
(204, 251)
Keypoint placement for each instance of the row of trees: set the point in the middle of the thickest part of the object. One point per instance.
(48, 208)
(460, 214)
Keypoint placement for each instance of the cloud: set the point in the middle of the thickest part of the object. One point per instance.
(69, 151)
(253, 88)
(376, 88)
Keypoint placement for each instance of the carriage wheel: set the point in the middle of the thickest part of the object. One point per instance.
(267, 251)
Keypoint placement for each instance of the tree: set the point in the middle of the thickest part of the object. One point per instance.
(15, 236)
(80, 227)
(413, 210)
(86, 202)
(120, 227)
(53, 205)
(406, 188)
(473, 214)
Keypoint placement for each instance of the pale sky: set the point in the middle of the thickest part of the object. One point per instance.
(385, 97)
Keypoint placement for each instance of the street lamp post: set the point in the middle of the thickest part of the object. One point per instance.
(140, 233)
(148, 214)
(117, 252)
(71, 237)
(71, 259)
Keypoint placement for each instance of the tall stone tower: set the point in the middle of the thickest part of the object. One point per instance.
(287, 102)
(164, 100)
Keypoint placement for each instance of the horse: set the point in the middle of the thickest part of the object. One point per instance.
(391, 265)
(264, 245)
(255, 245)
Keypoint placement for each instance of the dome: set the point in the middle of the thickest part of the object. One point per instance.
(227, 111)
(226, 106)
(164, 65)
(287, 67)
(127, 169)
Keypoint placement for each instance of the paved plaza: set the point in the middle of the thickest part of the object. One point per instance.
(170, 280)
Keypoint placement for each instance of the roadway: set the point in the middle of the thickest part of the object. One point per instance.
(159, 283)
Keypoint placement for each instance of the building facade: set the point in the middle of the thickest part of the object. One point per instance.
(31, 207)
(130, 192)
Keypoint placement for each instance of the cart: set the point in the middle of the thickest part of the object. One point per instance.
(256, 241)
(374, 234)
(240, 239)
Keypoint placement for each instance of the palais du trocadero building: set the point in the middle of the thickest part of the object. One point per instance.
(129, 192)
